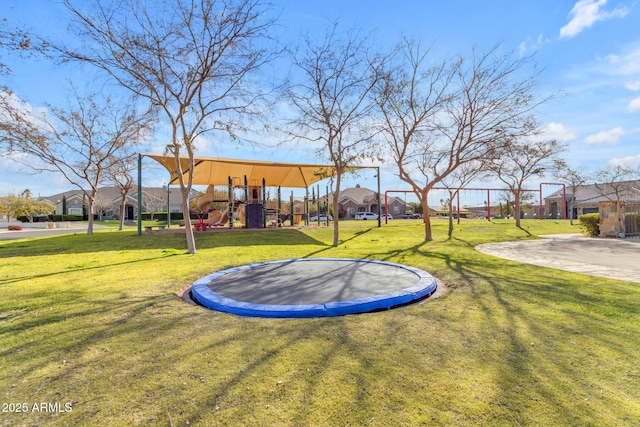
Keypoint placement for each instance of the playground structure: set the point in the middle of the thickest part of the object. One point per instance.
(242, 206)
(215, 217)
(488, 200)
(246, 193)
(254, 207)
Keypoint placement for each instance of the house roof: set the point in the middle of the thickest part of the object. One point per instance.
(216, 171)
(363, 196)
(113, 193)
(359, 195)
(629, 191)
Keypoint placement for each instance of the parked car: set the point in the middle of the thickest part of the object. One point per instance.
(411, 215)
(366, 215)
(323, 218)
(386, 216)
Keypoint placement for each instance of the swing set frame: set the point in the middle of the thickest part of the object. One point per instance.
(488, 190)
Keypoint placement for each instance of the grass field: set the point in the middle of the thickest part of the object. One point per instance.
(95, 322)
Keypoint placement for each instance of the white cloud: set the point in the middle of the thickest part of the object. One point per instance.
(635, 85)
(627, 162)
(634, 105)
(609, 137)
(627, 63)
(587, 12)
(532, 46)
(559, 132)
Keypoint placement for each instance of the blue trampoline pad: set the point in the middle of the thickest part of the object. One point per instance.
(312, 287)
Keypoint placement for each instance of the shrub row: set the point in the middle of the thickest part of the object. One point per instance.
(159, 216)
(590, 224)
(162, 216)
(47, 218)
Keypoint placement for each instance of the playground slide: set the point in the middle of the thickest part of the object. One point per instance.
(217, 217)
(222, 217)
(204, 202)
(238, 213)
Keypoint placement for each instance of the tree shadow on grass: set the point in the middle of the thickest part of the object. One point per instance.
(154, 360)
(83, 269)
(342, 242)
(526, 231)
(123, 241)
(537, 320)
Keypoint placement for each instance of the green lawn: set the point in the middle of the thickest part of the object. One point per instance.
(95, 321)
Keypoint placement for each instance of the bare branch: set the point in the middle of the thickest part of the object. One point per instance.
(332, 100)
(442, 115)
(80, 141)
(192, 60)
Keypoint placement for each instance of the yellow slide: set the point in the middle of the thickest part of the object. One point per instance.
(204, 202)
(218, 217)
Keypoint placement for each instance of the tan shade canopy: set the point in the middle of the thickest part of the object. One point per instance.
(216, 171)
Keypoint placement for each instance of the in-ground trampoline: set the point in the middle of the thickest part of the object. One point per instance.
(312, 287)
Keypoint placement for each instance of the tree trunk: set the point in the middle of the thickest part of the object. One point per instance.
(428, 237)
(90, 200)
(191, 242)
(516, 207)
(185, 189)
(123, 209)
(450, 214)
(571, 210)
(336, 220)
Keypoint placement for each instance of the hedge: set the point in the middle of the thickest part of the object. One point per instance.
(55, 218)
(162, 216)
(590, 224)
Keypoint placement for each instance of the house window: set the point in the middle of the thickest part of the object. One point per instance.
(75, 211)
(350, 212)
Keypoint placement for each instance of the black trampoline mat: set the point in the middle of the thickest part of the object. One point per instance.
(318, 282)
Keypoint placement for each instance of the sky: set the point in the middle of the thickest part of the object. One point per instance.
(589, 51)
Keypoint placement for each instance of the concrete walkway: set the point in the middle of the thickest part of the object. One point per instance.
(611, 258)
(38, 229)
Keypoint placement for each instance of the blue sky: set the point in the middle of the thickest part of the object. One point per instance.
(589, 50)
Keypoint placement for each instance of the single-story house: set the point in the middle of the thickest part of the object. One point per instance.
(359, 199)
(588, 197)
(108, 201)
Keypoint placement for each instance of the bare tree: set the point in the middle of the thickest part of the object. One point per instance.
(522, 160)
(101, 205)
(80, 142)
(19, 41)
(121, 175)
(573, 179)
(457, 180)
(614, 182)
(455, 112)
(154, 201)
(332, 101)
(190, 59)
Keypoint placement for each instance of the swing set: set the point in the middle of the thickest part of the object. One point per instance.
(488, 190)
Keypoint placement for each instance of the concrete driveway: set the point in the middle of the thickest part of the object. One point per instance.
(611, 258)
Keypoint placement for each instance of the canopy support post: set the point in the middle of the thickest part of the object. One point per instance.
(230, 203)
(264, 201)
(378, 195)
(279, 208)
(139, 194)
